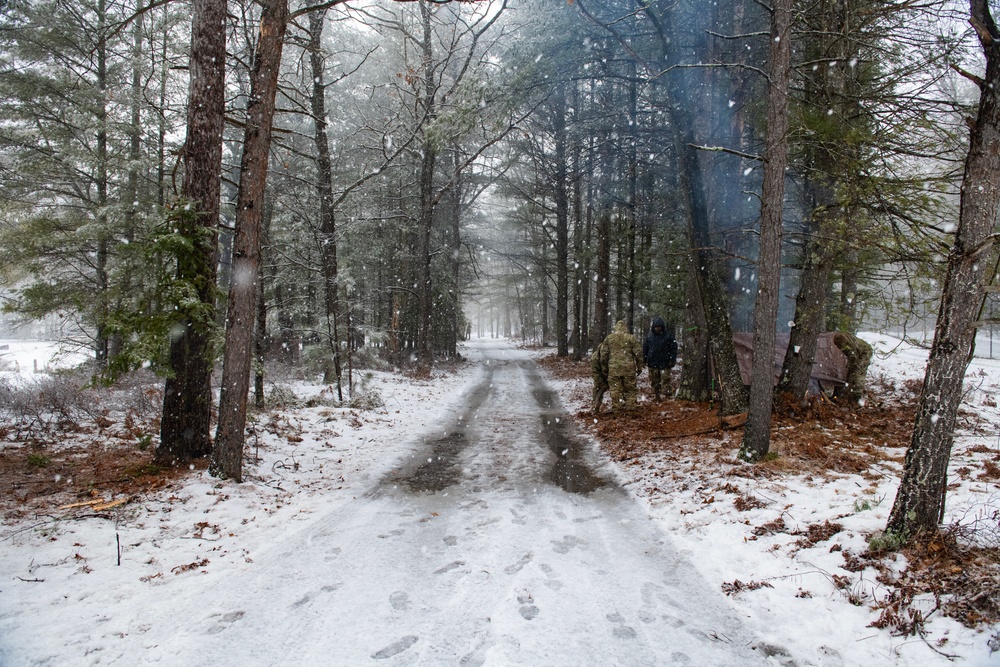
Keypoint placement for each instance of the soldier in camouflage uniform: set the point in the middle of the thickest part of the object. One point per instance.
(624, 366)
(859, 355)
(599, 372)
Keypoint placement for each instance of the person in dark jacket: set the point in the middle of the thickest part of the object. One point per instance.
(659, 353)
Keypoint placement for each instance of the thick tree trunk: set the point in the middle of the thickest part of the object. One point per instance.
(562, 223)
(733, 393)
(757, 434)
(260, 337)
(827, 87)
(227, 455)
(694, 384)
(104, 234)
(599, 329)
(810, 313)
(187, 396)
(580, 285)
(327, 215)
(919, 503)
(454, 200)
(425, 288)
(849, 294)
(631, 204)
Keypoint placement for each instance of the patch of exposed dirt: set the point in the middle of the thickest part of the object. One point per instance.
(85, 465)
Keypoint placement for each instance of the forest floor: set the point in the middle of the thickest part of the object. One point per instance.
(675, 448)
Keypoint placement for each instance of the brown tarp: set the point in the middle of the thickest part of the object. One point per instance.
(829, 369)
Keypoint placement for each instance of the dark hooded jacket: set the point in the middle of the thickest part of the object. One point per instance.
(659, 350)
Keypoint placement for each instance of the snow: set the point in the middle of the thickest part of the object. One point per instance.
(324, 556)
(20, 359)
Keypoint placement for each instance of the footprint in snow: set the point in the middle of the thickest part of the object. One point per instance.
(567, 543)
(621, 630)
(450, 566)
(516, 567)
(395, 648)
(392, 533)
(528, 610)
(225, 621)
(400, 601)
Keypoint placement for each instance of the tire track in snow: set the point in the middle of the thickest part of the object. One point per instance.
(486, 548)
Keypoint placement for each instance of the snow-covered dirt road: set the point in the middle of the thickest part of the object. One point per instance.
(500, 542)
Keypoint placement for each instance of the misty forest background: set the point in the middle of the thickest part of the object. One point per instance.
(345, 184)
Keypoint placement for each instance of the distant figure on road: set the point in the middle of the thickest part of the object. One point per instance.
(599, 372)
(859, 355)
(659, 352)
(624, 366)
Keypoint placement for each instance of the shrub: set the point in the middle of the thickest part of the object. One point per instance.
(885, 541)
(38, 461)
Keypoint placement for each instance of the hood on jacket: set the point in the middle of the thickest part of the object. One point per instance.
(620, 327)
(658, 322)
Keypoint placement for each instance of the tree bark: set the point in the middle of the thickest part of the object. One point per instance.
(101, 347)
(260, 338)
(187, 395)
(562, 222)
(425, 289)
(826, 171)
(810, 310)
(599, 330)
(733, 393)
(695, 374)
(757, 434)
(327, 213)
(227, 455)
(580, 284)
(919, 503)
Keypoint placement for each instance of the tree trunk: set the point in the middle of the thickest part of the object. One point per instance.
(695, 374)
(327, 215)
(826, 169)
(599, 330)
(187, 395)
(425, 289)
(260, 340)
(103, 233)
(580, 284)
(919, 504)
(810, 310)
(757, 434)
(631, 204)
(227, 456)
(849, 294)
(562, 222)
(732, 392)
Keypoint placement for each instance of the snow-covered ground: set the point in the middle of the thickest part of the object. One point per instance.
(20, 358)
(329, 555)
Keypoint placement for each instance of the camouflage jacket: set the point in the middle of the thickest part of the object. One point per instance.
(624, 352)
(599, 361)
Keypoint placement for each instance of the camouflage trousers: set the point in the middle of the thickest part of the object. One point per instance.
(623, 392)
(659, 381)
(600, 388)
